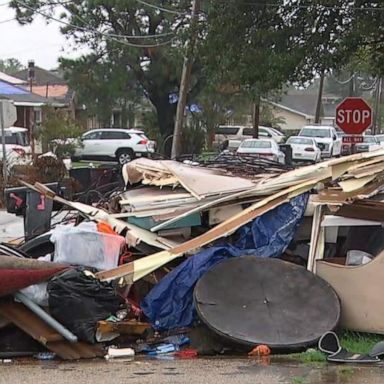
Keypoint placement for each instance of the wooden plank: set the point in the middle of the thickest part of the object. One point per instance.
(31, 324)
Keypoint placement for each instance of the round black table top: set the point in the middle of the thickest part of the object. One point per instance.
(251, 301)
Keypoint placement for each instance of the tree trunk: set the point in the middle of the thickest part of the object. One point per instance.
(166, 119)
(319, 98)
(256, 117)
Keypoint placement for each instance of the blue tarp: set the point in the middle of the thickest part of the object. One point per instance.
(169, 305)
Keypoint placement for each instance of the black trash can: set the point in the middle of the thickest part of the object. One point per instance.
(287, 150)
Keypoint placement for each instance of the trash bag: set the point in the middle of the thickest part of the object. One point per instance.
(78, 300)
(169, 304)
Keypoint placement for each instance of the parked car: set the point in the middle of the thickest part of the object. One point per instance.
(369, 144)
(326, 138)
(17, 145)
(380, 139)
(225, 133)
(304, 149)
(122, 145)
(264, 148)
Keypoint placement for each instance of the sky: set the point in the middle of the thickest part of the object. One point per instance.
(38, 41)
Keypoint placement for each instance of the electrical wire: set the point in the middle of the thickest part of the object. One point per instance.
(7, 21)
(95, 31)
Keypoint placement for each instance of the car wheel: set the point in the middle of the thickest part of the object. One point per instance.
(124, 156)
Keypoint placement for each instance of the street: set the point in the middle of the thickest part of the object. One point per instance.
(205, 371)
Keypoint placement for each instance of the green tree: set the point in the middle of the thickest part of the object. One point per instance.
(103, 88)
(55, 131)
(10, 66)
(124, 35)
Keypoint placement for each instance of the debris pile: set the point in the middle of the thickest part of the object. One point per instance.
(187, 247)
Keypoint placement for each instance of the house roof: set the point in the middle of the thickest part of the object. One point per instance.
(42, 77)
(19, 95)
(304, 104)
(10, 79)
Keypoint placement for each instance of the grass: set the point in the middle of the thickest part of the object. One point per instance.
(298, 380)
(352, 341)
(359, 342)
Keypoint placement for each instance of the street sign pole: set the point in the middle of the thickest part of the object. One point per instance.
(2, 124)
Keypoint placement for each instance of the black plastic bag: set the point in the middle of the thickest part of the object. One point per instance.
(78, 301)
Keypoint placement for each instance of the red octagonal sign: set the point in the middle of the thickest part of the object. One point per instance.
(353, 115)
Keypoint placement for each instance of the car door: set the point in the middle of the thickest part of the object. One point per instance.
(90, 145)
(113, 140)
(336, 143)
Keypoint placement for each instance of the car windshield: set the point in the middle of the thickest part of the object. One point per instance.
(16, 138)
(315, 132)
(227, 130)
(300, 140)
(369, 139)
(256, 144)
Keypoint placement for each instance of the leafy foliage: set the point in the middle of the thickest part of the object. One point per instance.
(10, 66)
(55, 131)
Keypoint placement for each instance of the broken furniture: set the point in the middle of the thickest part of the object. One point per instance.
(359, 289)
(253, 301)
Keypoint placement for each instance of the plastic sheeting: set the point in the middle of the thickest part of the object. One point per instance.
(169, 305)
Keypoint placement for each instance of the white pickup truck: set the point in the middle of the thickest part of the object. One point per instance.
(326, 139)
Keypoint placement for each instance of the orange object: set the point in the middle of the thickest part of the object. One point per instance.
(260, 350)
(104, 227)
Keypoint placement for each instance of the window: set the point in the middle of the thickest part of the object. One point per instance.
(256, 144)
(227, 130)
(370, 139)
(300, 140)
(92, 136)
(115, 135)
(249, 132)
(315, 132)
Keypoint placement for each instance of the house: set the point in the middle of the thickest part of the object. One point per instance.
(297, 108)
(48, 84)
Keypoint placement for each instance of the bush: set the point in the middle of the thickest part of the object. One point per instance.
(55, 131)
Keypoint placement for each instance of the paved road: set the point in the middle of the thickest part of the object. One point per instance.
(204, 371)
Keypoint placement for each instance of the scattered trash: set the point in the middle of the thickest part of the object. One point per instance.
(45, 356)
(114, 352)
(188, 246)
(6, 361)
(85, 245)
(78, 300)
(260, 350)
(186, 354)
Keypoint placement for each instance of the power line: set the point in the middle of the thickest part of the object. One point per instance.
(8, 20)
(320, 6)
(110, 37)
(159, 8)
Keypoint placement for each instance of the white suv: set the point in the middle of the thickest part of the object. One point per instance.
(122, 145)
(326, 139)
(17, 145)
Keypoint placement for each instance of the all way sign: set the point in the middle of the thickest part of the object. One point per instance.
(353, 115)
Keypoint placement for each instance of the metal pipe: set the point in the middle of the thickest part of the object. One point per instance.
(68, 335)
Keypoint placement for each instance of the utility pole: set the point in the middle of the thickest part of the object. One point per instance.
(256, 117)
(377, 111)
(2, 126)
(185, 80)
(320, 98)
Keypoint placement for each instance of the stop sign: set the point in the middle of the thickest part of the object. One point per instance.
(353, 115)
